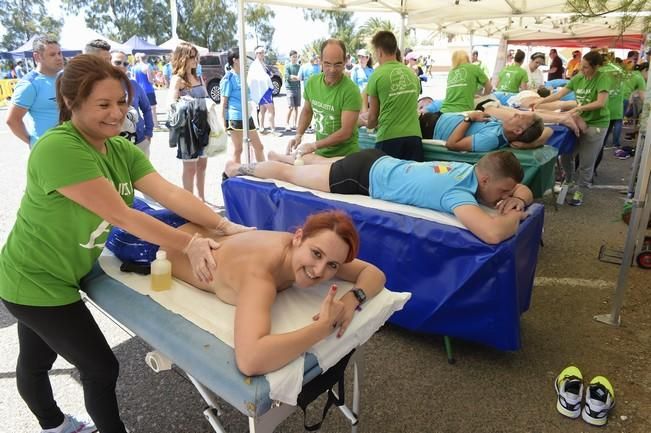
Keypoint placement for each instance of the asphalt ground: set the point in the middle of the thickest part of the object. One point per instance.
(408, 385)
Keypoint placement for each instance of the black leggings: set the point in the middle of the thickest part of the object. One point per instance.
(70, 331)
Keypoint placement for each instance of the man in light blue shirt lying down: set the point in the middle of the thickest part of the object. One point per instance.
(452, 187)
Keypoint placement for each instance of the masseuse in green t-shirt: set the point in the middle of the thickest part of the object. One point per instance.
(393, 100)
(463, 80)
(332, 103)
(80, 181)
(591, 87)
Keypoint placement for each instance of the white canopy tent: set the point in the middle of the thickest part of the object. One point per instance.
(73, 36)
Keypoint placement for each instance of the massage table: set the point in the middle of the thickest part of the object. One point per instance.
(208, 361)
(538, 164)
(461, 287)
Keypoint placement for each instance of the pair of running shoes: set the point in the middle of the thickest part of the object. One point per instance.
(599, 396)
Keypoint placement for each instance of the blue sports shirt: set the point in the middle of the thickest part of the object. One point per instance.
(36, 93)
(437, 185)
(486, 136)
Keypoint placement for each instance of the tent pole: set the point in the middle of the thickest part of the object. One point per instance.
(401, 36)
(639, 215)
(174, 15)
(244, 91)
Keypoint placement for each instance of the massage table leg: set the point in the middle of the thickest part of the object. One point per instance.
(447, 342)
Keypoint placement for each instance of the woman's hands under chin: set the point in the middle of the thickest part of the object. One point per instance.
(331, 314)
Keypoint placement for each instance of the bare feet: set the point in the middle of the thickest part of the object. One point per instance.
(273, 156)
(570, 122)
(580, 122)
(231, 168)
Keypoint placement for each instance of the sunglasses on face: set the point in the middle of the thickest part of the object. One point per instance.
(117, 63)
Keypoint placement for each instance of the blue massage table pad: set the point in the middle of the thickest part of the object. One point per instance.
(196, 351)
(461, 287)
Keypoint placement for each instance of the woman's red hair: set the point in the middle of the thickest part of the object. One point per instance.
(340, 223)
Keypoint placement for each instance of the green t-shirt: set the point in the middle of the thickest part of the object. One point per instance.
(55, 241)
(615, 96)
(328, 102)
(633, 81)
(292, 86)
(586, 91)
(397, 88)
(511, 78)
(462, 84)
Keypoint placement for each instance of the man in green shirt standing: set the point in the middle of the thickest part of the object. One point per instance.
(393, 100)
(513, 78)
(333, 101)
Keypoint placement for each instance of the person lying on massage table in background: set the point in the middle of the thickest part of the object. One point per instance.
(567, 118)
(451, 187)
(80, 181)
(254, 266)
(476, 131)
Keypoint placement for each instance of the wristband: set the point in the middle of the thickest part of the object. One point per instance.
(524, 203)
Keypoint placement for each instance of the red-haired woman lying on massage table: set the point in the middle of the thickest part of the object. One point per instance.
(253, 266)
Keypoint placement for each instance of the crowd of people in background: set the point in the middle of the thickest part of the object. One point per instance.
(571, 93)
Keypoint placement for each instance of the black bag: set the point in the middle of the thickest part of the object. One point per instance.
(325, 383)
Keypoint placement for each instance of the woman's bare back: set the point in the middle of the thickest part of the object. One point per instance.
(259, 252)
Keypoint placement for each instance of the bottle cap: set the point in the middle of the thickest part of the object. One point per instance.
(161, 255)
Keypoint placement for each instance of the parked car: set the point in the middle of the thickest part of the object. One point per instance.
(213, 69)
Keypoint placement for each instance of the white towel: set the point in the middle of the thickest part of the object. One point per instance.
(292, 309)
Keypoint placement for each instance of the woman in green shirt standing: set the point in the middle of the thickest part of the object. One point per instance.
(591, 87)
(463, 80)
(80, 181)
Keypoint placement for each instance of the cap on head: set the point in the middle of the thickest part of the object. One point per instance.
(411, 56)
(362, 52)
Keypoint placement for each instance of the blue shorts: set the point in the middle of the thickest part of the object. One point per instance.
(267, 98)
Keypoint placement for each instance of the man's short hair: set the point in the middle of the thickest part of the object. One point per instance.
(501, 164)
(534, 131)
(385, 41)
(519, 56)
(97, 46)
(292, 52)
(41, 42)
(333, 41)
(428, 123)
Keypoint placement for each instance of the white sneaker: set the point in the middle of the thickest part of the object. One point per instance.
(72, 425)
(599, 399)
(569, 390)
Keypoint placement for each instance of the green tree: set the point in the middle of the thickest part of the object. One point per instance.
(120, 20)
(258, 20)
(629, 10)
(209, 23)
(341, 26)
(22, 19)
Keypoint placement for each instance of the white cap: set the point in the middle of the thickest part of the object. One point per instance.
(161, 255)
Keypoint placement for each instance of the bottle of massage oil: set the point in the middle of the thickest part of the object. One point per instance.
(161, 272)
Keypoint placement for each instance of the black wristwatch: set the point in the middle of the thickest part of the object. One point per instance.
(359, 295)
(467, 118)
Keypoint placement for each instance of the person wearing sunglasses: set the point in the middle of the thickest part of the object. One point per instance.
(138, 124)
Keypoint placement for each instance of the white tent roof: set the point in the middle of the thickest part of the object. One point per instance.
(75, 37)
(172, 43)
(515, 20)
(521, 20)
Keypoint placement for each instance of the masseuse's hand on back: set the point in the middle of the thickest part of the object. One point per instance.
(227, 227)
(199, 252)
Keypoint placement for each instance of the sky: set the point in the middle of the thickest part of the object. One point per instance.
(292, 30)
